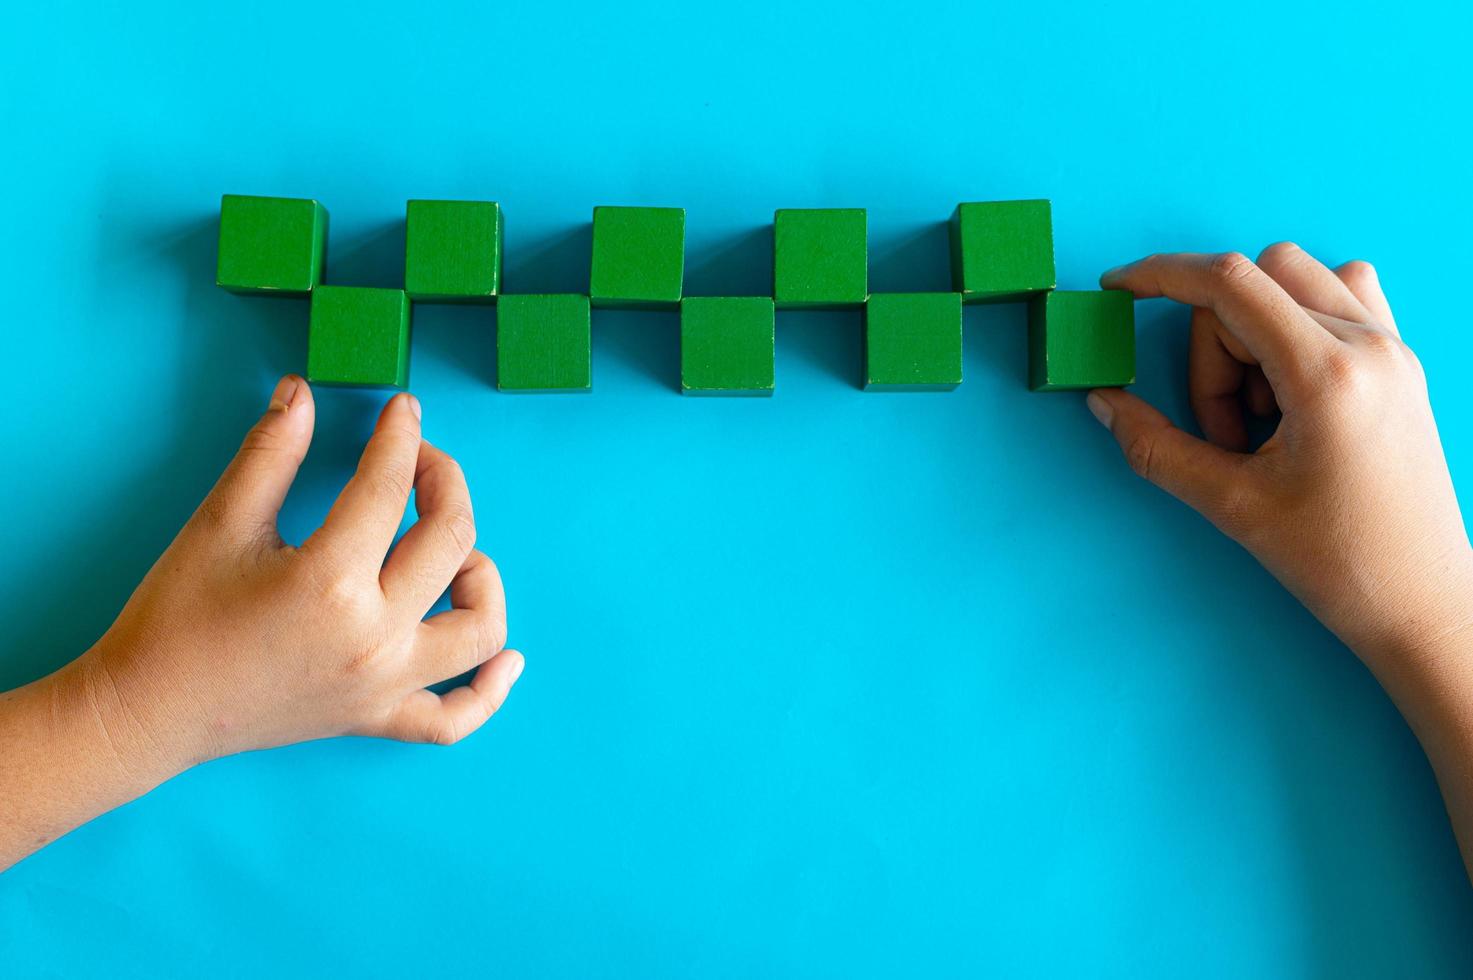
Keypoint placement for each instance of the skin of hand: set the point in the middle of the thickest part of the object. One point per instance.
(1349, 503)
(236, 640)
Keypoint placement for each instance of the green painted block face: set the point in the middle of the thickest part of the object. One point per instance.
(271, 245)
(1002, 250)
(543, 343)
(638, 256)
(1081, 340)
(913, 341)
(820, 257)
(452, 251)
(358, 336)
(726, 345)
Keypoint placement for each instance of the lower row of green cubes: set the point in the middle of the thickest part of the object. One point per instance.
(912, 341)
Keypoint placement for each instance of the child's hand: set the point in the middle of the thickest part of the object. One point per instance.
(236, 640)
(1349, 503)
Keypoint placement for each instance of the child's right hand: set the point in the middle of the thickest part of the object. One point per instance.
(1349, 502)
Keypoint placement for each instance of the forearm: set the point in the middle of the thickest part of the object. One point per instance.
(1432, 686)
(69, 751)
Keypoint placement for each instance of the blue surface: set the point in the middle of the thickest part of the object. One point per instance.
(832, 684)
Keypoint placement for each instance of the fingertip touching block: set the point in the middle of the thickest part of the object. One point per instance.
(1002, 250)
(820, 257)
(1081, 340)
(726, 345)
(358, 336)
(271, 244)
(452, 251)
(543, 343)
(913, 341)
(638, 256)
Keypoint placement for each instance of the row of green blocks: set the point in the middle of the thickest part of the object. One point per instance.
(1002, 251)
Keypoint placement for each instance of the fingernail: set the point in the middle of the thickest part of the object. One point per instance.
(1100, 408)
(284, 393)
(1110, 275)
(414, 406)
(516, 671)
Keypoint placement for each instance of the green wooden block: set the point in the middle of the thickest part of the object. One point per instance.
(271, 245)
(726, 345)
(913, 341)
(1002, 250)
(452, 251)
(543, 343)
(820, 257)
(638, 257)
(358, 336)
(1081, 340)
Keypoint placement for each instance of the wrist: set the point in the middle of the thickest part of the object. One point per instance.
(1423, 651)
(138, 731)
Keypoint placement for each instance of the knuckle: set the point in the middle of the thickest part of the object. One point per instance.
(1231, 268)
(1237, 507)
(1279, 254)
(1382, 344)
(458, 524)
(390, 483)
(1344, 371)
(341, 594)
(263, 438)
(491, 631)
(442, 731)
(1359, 272)
(1140, 453)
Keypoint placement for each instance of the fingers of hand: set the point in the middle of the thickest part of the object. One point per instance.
(1201, 475)
(452, 642)
(366, 515)
(1361, 279)
(444, 719)
(250, 492)
(434, 550)
(1215, 382)
(1253, 309)
(1312, 286)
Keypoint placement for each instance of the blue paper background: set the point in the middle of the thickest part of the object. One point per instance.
(832, 684)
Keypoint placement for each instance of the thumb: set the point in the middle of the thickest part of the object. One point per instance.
(1202, 476)
(249, 493)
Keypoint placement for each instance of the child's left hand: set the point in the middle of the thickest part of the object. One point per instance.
(236, 640)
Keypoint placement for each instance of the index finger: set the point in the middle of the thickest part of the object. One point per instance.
(1251, 306)
(367, 514)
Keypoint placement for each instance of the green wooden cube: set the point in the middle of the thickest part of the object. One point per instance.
(452, 251)
(543, 343)
(1002, 250)
(913, 341)
(358, 336)
(820, 257)
(726, 345)
(638, 257)
(1081, 340)
(271, 245)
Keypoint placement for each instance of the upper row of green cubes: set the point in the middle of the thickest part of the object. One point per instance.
(1001, 250)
